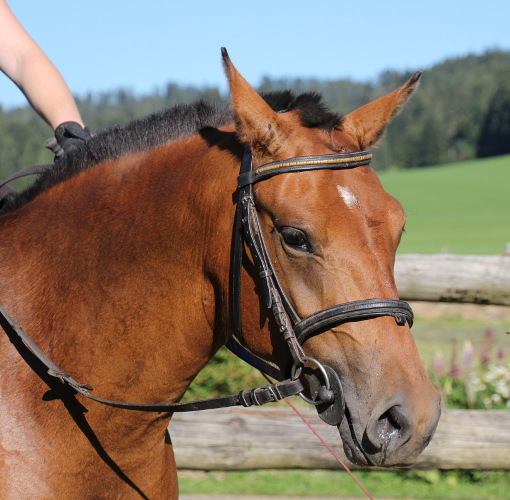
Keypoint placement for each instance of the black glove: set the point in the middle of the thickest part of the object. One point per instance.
(69, 136)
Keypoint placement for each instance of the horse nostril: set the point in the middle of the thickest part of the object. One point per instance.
(391, 423)
(390, 430)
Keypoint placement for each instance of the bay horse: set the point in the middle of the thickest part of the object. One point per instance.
(117, 262)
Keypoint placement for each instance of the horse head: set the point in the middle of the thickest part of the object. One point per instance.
(332, 235)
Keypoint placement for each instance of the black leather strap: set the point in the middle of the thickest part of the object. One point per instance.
(257, 396)
(243, 231)
(33, 170)
(305, 163)
(353, 311)
(237, 258)
(241, 352)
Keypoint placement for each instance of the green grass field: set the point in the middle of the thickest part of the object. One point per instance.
(461, 208)
(429, 485)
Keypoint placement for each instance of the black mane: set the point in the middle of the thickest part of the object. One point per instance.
(314, 113)
(159, 128)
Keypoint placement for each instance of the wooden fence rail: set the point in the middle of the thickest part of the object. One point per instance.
(276, 438)
(483, 279)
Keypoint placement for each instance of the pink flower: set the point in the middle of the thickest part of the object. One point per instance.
(439, 364)
(455, 371)
(468, 353)
(489, 334)
(501, 354)
(484, 356)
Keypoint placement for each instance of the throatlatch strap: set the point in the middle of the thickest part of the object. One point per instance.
(241, 352)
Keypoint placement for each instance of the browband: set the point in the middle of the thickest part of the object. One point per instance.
(304, 163)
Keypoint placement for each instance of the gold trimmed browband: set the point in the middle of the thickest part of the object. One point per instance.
(303, 163)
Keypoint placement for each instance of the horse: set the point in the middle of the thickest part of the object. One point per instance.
(117, 262)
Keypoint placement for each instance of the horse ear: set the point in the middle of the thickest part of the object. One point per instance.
(367, 123)
(256, 123)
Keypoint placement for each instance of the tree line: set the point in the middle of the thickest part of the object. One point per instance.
(461, 111)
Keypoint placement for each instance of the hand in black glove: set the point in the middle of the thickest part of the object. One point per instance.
(69, 136)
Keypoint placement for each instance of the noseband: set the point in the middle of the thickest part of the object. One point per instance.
(295, 330)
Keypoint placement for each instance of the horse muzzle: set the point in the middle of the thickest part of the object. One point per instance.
(391, 438)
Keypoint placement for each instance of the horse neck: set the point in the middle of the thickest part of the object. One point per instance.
(133, 255)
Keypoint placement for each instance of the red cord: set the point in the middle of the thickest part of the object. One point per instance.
(329, 448)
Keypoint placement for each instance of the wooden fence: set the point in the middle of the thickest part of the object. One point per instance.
(479, 279)
(276, 438)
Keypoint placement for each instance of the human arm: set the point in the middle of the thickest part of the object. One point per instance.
(24, 62)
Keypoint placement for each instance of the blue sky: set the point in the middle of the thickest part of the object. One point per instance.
(100, 45)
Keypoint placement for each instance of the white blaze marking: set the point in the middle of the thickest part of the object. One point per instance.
(350, 199)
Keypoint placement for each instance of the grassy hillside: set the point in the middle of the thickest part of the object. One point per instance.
(461, 208)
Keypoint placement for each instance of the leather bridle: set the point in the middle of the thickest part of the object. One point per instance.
(326, 388)
(294, 329)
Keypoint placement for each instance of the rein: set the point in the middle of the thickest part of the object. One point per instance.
(257, 396)
(325, 385)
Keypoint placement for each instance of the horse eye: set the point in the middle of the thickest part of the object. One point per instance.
(295, 238)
